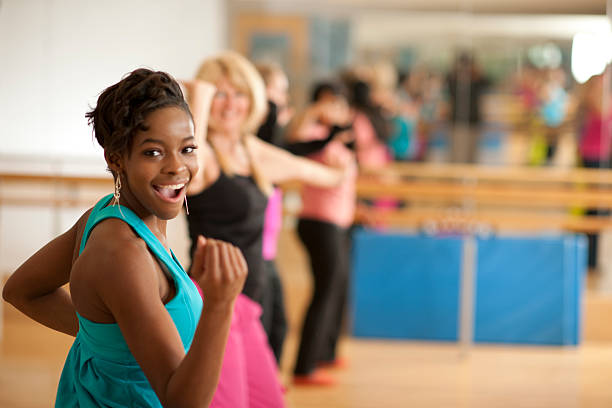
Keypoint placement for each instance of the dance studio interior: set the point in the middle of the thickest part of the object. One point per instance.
(480, 237)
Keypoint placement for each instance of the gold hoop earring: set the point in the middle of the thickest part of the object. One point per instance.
(117, 192)
(186, 206)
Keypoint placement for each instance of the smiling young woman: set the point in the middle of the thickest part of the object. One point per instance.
(162, 162)
(143, 336)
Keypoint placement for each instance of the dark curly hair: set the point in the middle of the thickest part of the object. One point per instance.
(122, 108)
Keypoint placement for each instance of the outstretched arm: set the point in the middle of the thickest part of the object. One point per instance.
(280, 166)
(36, 287)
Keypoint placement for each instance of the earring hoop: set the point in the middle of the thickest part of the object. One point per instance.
(186, 206)
(117, 194)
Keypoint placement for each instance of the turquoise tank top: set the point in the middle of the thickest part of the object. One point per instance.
(100, 370)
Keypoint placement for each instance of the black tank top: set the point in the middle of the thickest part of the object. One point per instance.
(232, 209)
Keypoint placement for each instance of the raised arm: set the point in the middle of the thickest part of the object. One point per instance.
(36, 287)
(130, 290)
(199, 98)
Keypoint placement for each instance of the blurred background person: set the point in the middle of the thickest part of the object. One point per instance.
(553, 109)
(279, 111)
(273, 315)
(466, 84)
(371, 128)
(323, 228)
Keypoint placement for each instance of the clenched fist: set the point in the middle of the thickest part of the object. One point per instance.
(219, 269)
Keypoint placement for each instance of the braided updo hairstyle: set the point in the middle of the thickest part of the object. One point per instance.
(122, 108)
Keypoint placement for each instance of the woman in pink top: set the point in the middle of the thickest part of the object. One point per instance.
(323, 227)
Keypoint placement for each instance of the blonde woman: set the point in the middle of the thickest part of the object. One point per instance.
(227, 200)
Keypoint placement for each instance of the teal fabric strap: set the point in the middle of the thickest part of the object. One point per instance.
(102, 211)
(91, 221)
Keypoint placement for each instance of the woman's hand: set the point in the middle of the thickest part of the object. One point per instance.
(195, 88)
(220, 270)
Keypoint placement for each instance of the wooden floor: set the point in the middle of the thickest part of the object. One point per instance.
(380, 373)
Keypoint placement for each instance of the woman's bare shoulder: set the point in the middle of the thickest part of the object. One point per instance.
(114, 261)
(114, 243)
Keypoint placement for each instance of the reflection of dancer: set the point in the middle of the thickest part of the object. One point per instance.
(466, 85)
(134, 311)
(553, 109)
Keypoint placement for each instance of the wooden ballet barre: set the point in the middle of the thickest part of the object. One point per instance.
(491, 194)
(55, 190)
(480, 173)
(516, 198)
(439, 196)
(102, 181)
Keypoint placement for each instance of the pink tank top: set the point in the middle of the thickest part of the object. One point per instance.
(335, 205)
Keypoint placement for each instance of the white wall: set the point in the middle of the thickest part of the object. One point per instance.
(56, 56)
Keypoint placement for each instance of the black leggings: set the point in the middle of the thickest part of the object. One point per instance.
(328, 247)
(273, 310)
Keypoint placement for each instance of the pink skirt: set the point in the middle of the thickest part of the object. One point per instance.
(249, 374)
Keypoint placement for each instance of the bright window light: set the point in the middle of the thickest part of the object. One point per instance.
(590, 55)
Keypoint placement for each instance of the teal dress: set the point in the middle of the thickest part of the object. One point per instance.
(100, 370)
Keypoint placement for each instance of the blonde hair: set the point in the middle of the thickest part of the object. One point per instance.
(241, 73)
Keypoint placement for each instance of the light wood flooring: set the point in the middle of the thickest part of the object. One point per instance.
(380, 373)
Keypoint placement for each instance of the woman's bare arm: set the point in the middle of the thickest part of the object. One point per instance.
(36, 287)
(280, 166)
(220, 270)
(128, 287)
